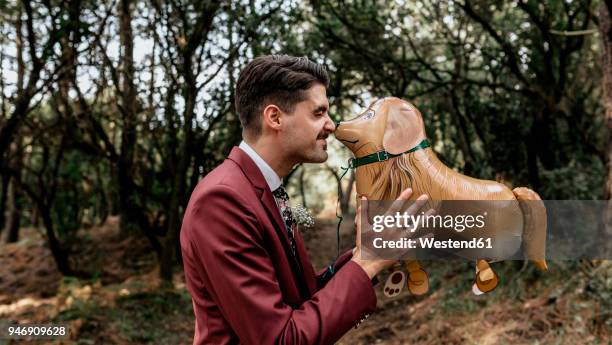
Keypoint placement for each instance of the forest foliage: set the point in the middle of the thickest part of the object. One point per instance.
(120, 107)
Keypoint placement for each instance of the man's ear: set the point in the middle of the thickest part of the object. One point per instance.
(271, 116)
(404, 128)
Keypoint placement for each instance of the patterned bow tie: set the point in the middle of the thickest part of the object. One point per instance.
(282, 198)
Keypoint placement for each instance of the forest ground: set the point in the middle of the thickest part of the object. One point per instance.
(124, 304)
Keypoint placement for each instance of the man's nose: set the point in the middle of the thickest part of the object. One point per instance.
(330, 125)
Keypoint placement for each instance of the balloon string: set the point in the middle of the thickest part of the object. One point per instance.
(329, 273)
(339, 212)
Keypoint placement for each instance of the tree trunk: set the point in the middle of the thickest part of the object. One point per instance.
(128, 206)
(345, 200)
(112, 191)
(188, 48)
(605, 27)
(59, 254)
(302, 191)
(3, 199)
(171, 245)
(35, 218)
(344, 195)
(25, 91)
(533, 172)
(103, 198)
(13, 220)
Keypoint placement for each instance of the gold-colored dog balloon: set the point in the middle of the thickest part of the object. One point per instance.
(392, 153)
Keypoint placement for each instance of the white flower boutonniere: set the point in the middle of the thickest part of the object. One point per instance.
(303, 217)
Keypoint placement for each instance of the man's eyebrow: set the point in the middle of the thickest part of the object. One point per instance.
(321, 108)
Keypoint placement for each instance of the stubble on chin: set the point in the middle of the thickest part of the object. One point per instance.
(311, 153)
(321, 157)
(317, 156)
(324, 157)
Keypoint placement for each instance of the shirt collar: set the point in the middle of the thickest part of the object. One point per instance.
(269, 174)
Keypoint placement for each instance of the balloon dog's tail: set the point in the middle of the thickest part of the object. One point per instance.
(534, 235)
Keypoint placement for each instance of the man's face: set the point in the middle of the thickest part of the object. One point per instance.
(308, 127)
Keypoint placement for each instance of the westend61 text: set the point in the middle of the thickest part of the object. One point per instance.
(430, 243)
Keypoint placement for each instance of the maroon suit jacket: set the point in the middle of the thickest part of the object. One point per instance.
(246, 285)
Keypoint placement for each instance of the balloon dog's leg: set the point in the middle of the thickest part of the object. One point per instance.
(395, 283)
(486, 279)
(418, 280)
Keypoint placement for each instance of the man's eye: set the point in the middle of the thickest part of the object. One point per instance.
(369, 114)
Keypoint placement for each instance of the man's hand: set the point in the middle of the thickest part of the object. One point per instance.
(373, 267)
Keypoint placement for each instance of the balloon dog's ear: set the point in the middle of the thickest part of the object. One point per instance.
(404, 129)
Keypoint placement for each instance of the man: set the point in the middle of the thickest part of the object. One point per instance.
(245, 263)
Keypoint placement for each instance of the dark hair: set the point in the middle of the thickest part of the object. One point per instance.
(278, 79)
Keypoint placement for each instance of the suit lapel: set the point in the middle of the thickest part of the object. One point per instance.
(309, 273)
(253, 173)
(256, 178)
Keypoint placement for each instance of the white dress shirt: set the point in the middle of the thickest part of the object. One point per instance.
(273, 180)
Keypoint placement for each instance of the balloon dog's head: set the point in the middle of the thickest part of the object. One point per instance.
(389, 124)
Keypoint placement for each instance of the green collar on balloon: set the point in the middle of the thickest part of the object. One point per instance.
(383, 155)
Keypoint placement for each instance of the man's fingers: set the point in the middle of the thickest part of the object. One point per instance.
(358, 214)
(415, 233)
(429, 234)
(365, 207)
(402, 200)
(398, 204)
(427, 214)
(405, 194)
(361, 207)
(358, 219)
(418, 204)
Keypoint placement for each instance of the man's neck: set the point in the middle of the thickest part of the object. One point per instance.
(273, 154)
